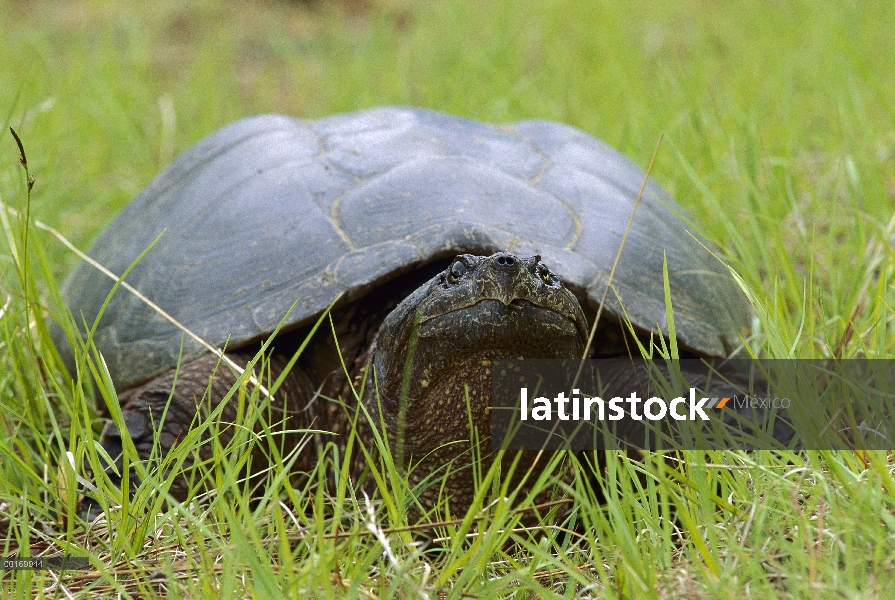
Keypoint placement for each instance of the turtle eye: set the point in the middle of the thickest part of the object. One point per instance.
(544, 273)
(458, 270)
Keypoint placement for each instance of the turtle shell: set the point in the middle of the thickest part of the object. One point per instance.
(271, 210)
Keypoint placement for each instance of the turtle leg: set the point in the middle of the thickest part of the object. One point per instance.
(161, 412)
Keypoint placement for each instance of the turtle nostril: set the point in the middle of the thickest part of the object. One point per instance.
(505, 262)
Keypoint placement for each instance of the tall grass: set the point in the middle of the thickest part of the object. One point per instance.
(779, 126)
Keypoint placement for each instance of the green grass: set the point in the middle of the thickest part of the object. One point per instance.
(779, 125)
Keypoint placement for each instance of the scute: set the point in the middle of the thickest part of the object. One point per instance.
(459, 192)
(376, 140)
(273, 209)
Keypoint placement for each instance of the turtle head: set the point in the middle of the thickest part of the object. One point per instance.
(501, 288)
(433, 356)
(435, 348)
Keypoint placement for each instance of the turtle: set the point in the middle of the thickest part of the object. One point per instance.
(431, 239)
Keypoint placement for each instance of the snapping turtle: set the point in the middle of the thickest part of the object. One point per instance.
(448, 244)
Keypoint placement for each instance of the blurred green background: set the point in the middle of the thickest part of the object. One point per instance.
(778, 117)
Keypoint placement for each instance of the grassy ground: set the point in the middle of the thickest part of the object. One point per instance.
(779, 126)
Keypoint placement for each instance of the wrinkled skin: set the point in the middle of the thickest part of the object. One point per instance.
(443, 336)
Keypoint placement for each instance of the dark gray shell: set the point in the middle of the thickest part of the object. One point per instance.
(273, 209)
